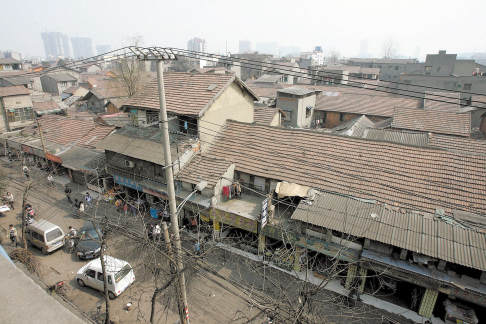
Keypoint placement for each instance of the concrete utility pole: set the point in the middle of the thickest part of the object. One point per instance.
(159, 55)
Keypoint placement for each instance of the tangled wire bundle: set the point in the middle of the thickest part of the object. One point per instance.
(29, 260)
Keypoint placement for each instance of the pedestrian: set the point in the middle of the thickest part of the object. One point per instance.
(125, 209)
(88, 199)
(119, 205)
(134, 209)
(10, 200)
(13, 234)
(81, 208)
(68, 192)
(50, 179)
(197, 247)
(156, 233)
(26, 172)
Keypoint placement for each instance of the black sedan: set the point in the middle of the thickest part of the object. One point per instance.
(89, 245)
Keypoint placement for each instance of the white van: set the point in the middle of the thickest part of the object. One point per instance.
(120, 275)
(45, 235)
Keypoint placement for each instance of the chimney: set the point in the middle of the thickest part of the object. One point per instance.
(442, 52)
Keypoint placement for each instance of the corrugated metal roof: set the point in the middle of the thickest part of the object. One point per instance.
(420, 139)
(296, 91)
(355, 127)
(418, 232)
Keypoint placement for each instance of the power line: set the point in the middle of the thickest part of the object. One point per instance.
(253, 62)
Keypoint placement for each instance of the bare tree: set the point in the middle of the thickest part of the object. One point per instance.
(334, 56)
(130, 73)
(389, 48)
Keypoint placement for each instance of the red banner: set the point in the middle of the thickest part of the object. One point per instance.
(54, 158)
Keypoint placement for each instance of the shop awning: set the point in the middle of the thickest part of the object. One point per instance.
(286, 189)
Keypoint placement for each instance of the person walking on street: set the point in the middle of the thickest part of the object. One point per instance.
(26, 172)
(68, 192)
(125, 209)
(13, 234)
(197, 248)
(88, 199)
(10, 200)
(119, 205)
(50, 179)
(80, 208)
(134, 209)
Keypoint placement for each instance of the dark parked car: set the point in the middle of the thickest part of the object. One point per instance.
(89, 246)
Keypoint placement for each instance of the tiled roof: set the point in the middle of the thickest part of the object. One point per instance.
(62, 77)
(264, 115)
(420, 139)
(118, 119)
(478, 100)
(376, 60)
(270, 90)
(364, 104)
(45, 105)
(443, 101)
(299, 91)
(440, 122)
(17, 79)
(9, 61)
(14, 91)
(420, 233)
(415, 177)
(118, 103)
(204, 168)
(364, 70)
(185, 93)
(65, 131)
(458, 144)
(269, 78)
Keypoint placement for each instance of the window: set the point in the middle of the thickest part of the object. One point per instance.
(308, 111)
(54, 234)
(122, 273)
(152, 116)
(396, 68)
(342, 116)
(63, 84)
(100, 276)
(324, 117)
(390, 67)
(467, 86)
(90, 273)
(20, 114)
(285, 79)
(110, 281)
(288, 115)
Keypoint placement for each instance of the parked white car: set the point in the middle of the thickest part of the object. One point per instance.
(119, 274)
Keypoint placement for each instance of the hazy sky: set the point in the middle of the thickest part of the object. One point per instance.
(429, 25)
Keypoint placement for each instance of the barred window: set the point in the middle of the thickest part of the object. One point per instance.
(20, 114)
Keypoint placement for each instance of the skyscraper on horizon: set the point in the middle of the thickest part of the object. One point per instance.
(197, 45)
(246, 47)
(82, 47)
(102, 49)
(55, 44)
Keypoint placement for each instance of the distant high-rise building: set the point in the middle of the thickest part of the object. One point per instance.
(288, 50)
(246, 47)
(267, 48)
(197, 45)
(82, 47)
(102, 49)
(55, 44)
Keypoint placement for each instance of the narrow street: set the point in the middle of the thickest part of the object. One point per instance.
(222, 288)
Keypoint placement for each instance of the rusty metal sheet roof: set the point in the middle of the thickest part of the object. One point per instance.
(418, 232)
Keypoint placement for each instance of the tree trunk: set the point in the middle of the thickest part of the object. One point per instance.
(105, 281)
(24, 212)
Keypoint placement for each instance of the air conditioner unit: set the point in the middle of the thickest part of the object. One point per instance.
(129, 164)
